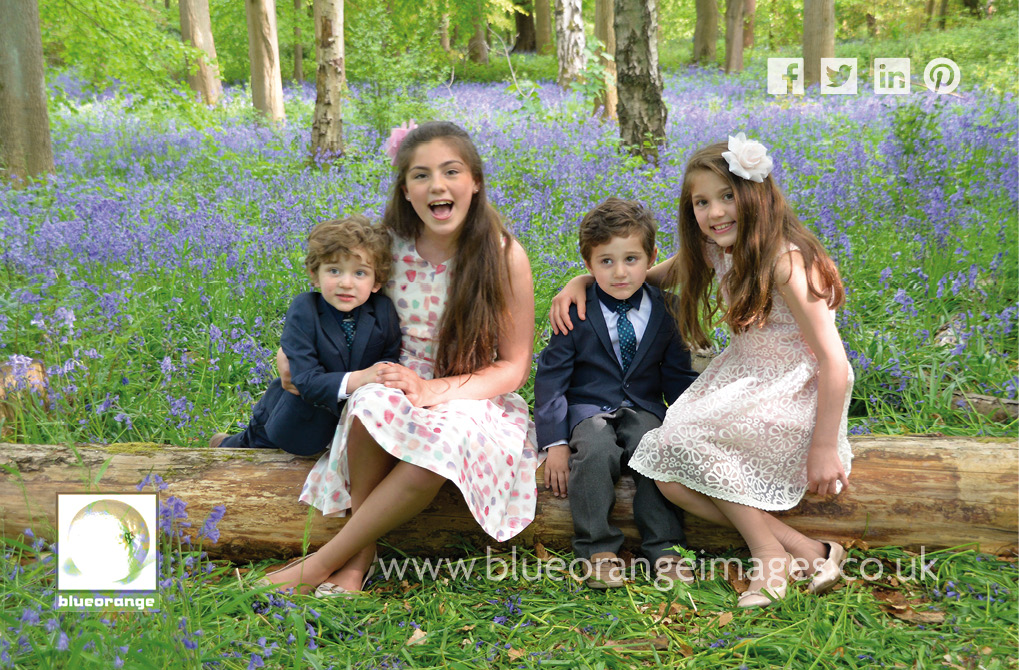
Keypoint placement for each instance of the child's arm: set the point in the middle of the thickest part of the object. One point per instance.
(812, 315)
(556, 366)
(575, 293)
(512, 366)
(298, 342)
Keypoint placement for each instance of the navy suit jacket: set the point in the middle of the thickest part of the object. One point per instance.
(319, 357)
(579, 374)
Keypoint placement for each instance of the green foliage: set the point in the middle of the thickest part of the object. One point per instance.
(116, 41)
(391, 76)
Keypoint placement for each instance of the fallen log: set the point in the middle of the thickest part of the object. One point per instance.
(932, 492)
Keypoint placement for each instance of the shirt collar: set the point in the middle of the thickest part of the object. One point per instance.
(611, 302)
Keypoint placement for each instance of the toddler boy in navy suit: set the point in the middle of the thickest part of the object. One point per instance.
(602, 385)
(334, 339)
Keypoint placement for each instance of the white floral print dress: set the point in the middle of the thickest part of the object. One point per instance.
(485, 447)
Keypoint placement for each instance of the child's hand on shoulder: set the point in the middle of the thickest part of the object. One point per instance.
(557, 469)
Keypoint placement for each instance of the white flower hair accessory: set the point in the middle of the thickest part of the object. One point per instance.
(748, 158)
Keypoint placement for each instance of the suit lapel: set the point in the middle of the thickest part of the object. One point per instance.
(657, 314)
(597, 319)
(362, 333)
(332, 329)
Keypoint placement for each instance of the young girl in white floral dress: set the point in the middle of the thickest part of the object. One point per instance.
(766, 421)
(448, 411)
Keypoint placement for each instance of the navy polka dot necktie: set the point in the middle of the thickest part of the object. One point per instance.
(627, 338)
(348, 325)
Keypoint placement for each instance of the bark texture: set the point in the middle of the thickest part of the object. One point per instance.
(264, 53)
(525, 41)
(734, 36)
(570, 41)
(477, 45)
(932, 492)
(327, 125)
(705, 32)
(543, 26)
(818, 37)
(25, 147)
(605, 31)
(196, 30)
(749, 12)
(641, 110)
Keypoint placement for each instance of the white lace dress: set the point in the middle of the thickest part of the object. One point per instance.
(742, 430)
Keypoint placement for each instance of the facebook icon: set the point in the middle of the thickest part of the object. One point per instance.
(785, 76)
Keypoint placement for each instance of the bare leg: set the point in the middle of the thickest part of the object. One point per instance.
(805, 550)
(399, 497)
(768, 553)
(368, 464)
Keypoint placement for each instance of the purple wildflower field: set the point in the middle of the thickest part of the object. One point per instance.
(150, 276)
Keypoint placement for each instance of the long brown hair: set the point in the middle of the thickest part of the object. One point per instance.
(476, 305)
(765, 225)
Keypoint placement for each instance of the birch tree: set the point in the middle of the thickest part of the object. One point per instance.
(327, 125)
(641, 109)
(570, 41)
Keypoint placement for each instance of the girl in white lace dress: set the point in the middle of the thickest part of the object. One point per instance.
(448, 411)
(766, 421)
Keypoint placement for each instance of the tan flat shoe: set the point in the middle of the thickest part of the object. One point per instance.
(830, 572)
(766, 596)
(264, 581)
(331, 590)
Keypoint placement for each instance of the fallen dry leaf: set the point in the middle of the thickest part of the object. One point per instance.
(857, 544)
(723, 619)
(736, 578)
(907, 613)
(514, 654)
(417, 637)
(540, 552)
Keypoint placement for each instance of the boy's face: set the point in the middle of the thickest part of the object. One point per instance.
(620, 265)
(346, 281)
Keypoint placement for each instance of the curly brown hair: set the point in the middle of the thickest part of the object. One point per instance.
(340, 238)
(477, 302)
(765, 225)
(617, 218)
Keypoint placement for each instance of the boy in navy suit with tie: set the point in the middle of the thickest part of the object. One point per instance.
(602, 385)
(334, 339)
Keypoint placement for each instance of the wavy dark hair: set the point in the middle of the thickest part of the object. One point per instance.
(765, 224)
(477, 302)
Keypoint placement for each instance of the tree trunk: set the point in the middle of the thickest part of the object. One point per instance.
(749, 11)
(642, 112)
(942, 14)
(26, 150)
(974, 8)
(929, 11)
(931, 492)
(705, 32)
(298, 47)
(543, 26)
(570, 42)
(525, 41)
(818, 37)
(734, 36)
(327, 125)
(444, 32)
(477, 46)
(605, 32)
(871, 25)
(196, 29)
(263, 50)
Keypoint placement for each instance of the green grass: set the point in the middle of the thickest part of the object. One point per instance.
(962, 613)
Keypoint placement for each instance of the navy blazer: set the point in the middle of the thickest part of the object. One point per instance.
(319, 357)
(579, 374)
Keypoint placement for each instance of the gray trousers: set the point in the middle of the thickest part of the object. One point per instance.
(600, 447)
